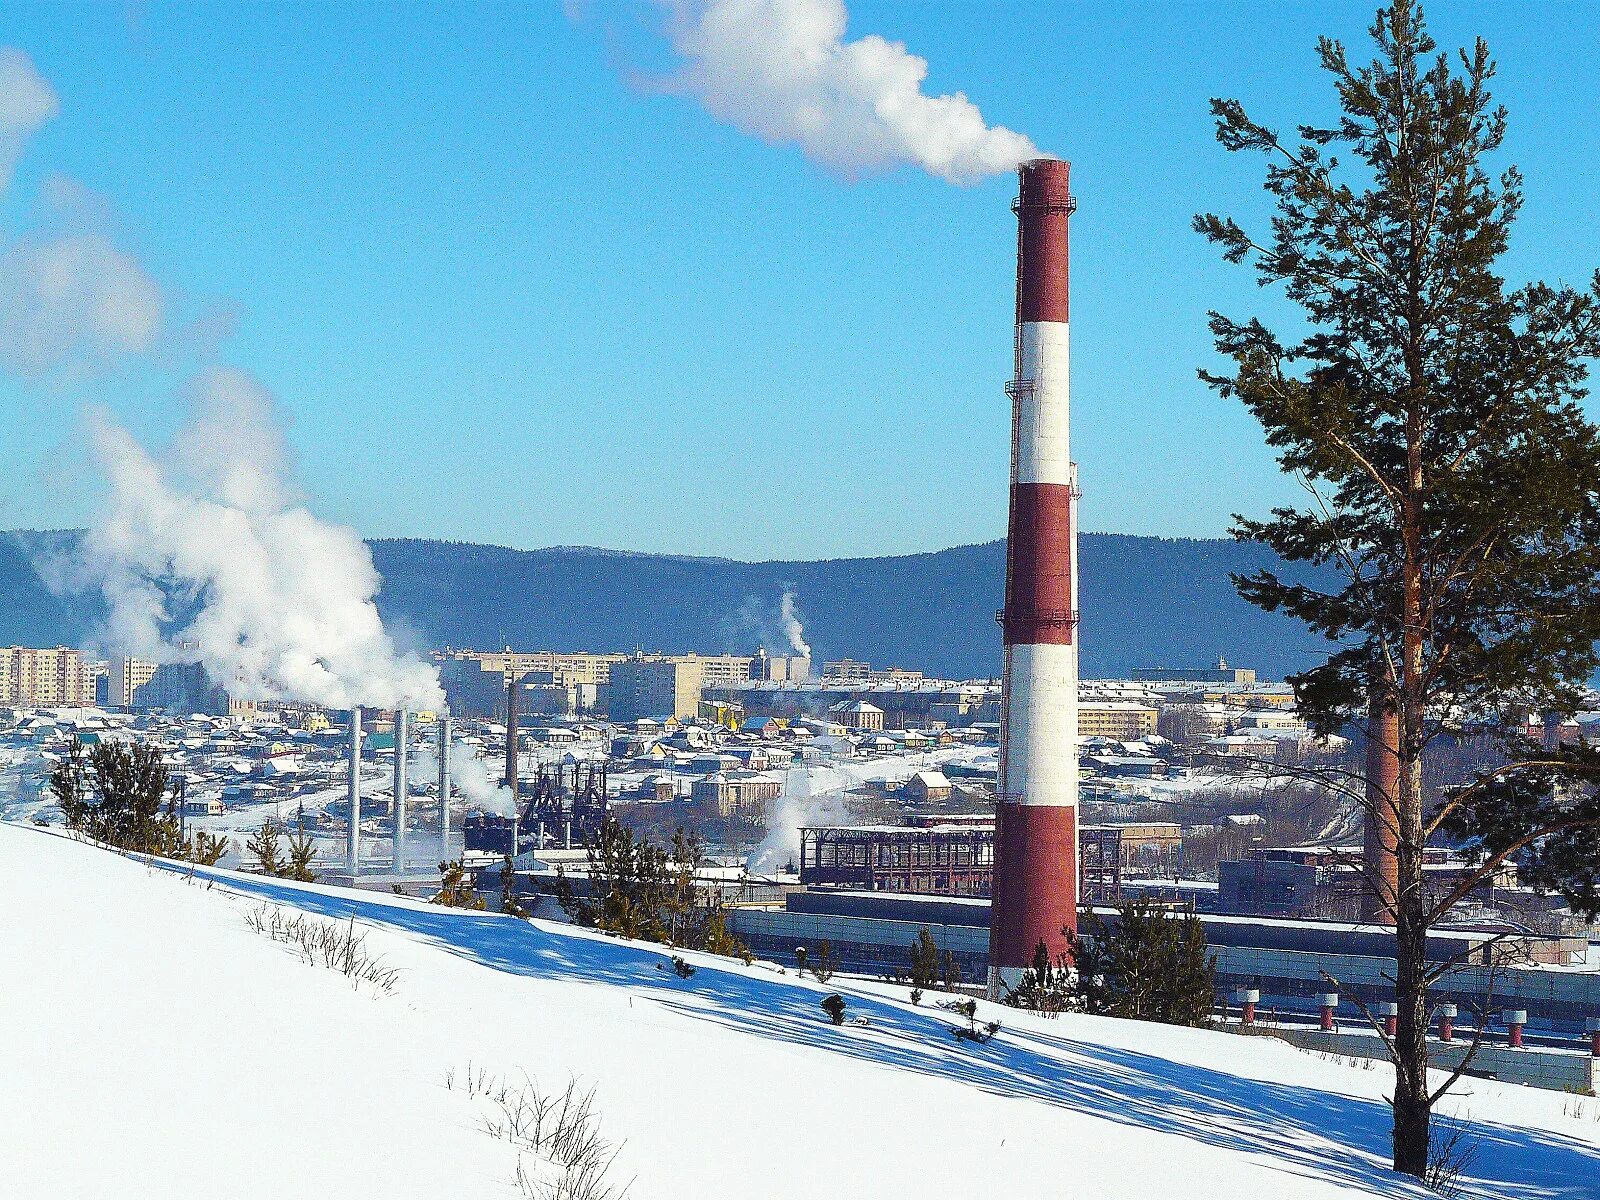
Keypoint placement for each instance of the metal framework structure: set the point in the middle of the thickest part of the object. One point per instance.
(940, 860)
(937, 861)
(564, 805)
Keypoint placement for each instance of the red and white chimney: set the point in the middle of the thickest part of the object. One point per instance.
(1036, 834)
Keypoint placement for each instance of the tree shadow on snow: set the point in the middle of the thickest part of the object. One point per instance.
(1310, 1132)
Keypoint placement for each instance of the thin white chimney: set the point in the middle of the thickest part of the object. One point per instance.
(444, 785)
(353, 846)
(402, 750)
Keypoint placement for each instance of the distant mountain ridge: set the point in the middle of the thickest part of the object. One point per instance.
(1145, 602)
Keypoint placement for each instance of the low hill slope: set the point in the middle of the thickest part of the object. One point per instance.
(157, 1046)
(1145, 602)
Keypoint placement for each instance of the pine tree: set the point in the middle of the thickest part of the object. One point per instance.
(1046, 986)
(1434, 417)
(128, 782)
(717, 938)
(1139, 961)
(508, 888)
(302, 853)
(69, 783)
(263, 845)
(1086, 949)
(206, 849)
(824, 964)
(1190, 990)
(455, 888)
(924, 963)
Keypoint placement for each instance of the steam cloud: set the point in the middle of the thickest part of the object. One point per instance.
(203, 553)
(778, 631)
(471, 778)
(68, 295)
(781, 70)
(27, 101)
(65, 291)
(801, 804)
(283, 602)
(792, 629)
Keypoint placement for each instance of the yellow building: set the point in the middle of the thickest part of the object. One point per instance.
(1121, 720)
(57, 676)
(124, 677)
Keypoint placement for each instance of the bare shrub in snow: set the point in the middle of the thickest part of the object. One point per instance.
(972, 1031)
(562, 1132)
(332, 944)
(1450, 1155)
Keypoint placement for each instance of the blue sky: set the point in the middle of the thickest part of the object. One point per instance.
(508, 294)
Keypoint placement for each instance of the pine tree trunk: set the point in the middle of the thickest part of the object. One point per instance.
(1411, 1101)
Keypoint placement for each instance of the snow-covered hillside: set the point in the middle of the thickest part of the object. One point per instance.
(153, 1044)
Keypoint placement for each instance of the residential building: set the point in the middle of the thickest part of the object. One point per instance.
(56, 677)
(655, 686)
(846, 670)
(1119, 720)
(124, 677)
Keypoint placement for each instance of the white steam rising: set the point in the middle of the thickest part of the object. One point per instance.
(66, 292)
(803, 803)
(27, 101)
(476, 782)
(204, 554)
(782, 70)
(789, 615)
(471, 778)
(778, 631)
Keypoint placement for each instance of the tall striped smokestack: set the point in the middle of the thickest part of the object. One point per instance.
(1036, 833)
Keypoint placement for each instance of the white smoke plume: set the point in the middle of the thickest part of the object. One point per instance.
(803, 803)
(475, 780)
(776, 630)
(472, 778)
(782, 70)
(27, 101)
(68, 295)
(789, 615)
(204, 553)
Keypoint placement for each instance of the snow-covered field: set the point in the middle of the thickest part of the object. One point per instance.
(155, 1045)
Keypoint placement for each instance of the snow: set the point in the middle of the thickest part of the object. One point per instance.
(157, 1046)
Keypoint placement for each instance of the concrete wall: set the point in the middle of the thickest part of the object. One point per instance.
(862, 947)
(1558, 1070)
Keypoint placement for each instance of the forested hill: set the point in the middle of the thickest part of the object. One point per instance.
(1144, 601)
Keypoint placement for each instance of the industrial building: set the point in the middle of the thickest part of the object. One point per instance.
(871, 932)
(940, 857)
(1221, 673)
(1326, 881)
